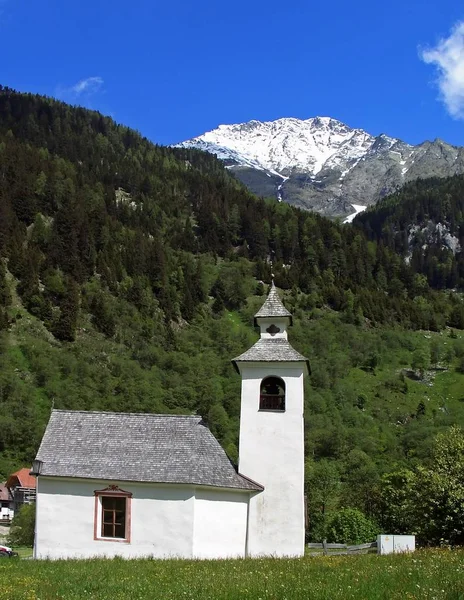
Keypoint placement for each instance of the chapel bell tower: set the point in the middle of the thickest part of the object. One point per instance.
(271, 450)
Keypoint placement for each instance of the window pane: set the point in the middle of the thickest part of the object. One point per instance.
(106, 502)
(107, 515)
(107, 530)
(119, 504)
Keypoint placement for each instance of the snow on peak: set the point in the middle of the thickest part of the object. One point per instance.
(288, 143)
(358, 208)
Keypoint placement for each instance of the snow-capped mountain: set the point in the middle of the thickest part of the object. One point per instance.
(286, 144)
(322, 164)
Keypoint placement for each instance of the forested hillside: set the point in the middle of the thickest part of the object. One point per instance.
(73, 180)
(129, 275)
(423, 222)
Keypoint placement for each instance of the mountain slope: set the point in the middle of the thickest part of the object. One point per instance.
(322, 164)
(422, 223)
(84, 199)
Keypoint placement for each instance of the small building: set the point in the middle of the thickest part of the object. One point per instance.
(21, 487)
(6, 504)
(130, 484)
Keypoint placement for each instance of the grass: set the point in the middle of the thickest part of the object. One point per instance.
(441, 391)
(23, 551)
(425, 575)
(236, 321)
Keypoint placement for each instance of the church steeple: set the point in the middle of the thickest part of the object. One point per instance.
(273, 307)
(271, 449)
(273, 319)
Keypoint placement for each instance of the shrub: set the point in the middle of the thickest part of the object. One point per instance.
(23, 526)
(351, 526)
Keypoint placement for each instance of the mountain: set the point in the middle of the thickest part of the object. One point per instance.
(322, 164)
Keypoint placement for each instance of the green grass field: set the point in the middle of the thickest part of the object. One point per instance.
(428, 574)
(23, 551)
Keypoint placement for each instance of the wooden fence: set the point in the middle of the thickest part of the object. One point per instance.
(338, 549)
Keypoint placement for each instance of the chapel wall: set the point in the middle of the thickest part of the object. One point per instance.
(162, 520)
(220, 523)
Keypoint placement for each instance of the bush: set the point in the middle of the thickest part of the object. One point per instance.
(23, 526)
(351, 526)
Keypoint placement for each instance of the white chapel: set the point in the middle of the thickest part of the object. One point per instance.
(134, 485)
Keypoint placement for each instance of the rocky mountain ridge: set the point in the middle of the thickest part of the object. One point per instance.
(322, 164)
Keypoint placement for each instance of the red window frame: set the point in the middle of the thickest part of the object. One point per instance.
(112, 491)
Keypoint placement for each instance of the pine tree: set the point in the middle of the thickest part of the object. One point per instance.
(65, 327)
(5, 295)
(103, 318)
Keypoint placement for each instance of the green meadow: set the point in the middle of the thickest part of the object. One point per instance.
(426, 574)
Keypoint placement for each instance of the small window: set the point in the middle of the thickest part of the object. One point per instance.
(272, 394)
(113, 517)
(112, 514)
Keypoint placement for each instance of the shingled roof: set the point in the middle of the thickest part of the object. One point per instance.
(136, 447)
(271, 350)
(273, 306)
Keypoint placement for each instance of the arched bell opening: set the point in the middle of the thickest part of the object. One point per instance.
(272, 394)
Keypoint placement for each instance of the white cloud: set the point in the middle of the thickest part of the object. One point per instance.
(448, 56)
(83, 89)
(91, 85)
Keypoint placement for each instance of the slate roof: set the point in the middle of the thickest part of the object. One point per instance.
(136, 447)
(271, 350)
(273, 306)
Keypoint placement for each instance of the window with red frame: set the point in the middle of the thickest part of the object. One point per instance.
(113, 517)
(112, 514)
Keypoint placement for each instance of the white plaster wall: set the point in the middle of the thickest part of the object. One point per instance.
(162, 520)
(272, 453)
(282, 323)
(220, 523)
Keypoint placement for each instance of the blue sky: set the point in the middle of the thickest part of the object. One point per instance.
(173, 70)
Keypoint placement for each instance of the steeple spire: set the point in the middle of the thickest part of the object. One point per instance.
(273, 346)
(271, 448)
(273, 307)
